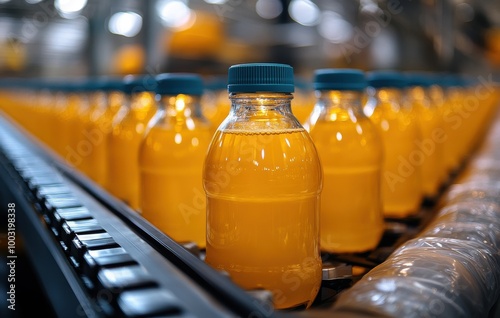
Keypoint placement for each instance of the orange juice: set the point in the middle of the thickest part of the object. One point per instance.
(81, 140)
(127, 130)
(430, 147)
(239, 193)
(303, 101)
(453, 124)
(171, 160)
(69, 149)
(107, 102)
(215, 104)
(350, 150)
(437, 103)
(96, 135)
(401, 185)
(42, 108)
(263, 179)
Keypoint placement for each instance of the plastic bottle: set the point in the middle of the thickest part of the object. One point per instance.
(351, 153)
(67, 144)
(106, 103)
(215, 104)
(453, 121)
(171, 160)
(303, 100)
(81, 141)
(430, 145)
(127, 130)
(437, 100)
(401, 185)
(263, 181)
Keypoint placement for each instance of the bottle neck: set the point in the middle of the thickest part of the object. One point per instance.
(392, 98)
(115, 100)
(141, 103)
(261, 111)
(179, 105)
(98, 101)
(260, 99)
(334, 100)
(260, 105)
(436, 93)
(179, 111)
(419, 95)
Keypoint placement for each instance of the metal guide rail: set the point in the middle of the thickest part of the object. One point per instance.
(98, 258)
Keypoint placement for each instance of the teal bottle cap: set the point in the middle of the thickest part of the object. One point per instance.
(179, 83)
(260, 77)
(339, 79)
(386, 79)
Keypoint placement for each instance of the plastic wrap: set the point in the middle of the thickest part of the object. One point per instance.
(476, 192)
(452, 267)
(430, 277)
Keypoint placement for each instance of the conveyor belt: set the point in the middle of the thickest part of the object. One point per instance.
(97, 257)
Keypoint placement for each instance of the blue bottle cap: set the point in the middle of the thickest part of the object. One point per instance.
(447, 80)
(260, 77)
(386, 79)
(419, 79)
(110, 84)
(215, 82)
(179, 83)
(339, 79)
(139, 83)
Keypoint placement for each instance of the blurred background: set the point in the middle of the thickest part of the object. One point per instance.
(72, 38)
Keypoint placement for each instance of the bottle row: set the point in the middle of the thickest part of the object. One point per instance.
(260, 177)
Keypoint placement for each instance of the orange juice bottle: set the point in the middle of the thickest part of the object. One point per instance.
(99, 127)
(303, 101)
(430, 144)
(453, 122)
(215, 104)
(171, 160)
(40, 111)
(437, 101)
(350, 150)
(67, 116)
(263, 180)
(401, 185)
(127, 130)
(81, 139)
(51, 123)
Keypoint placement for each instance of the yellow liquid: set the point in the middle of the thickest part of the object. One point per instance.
(456, 121)
(218, 109)
(430, 147)
(262, 212)
(83, 139)
(99, 129)
(401, 185)
(351, 208)
(302, 106)
(124, 141)
(172, 196)
(436, 95)
(66, 144)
